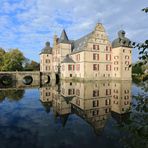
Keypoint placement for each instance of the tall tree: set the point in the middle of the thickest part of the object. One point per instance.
(13, 60)
(143, 48)
(2, 54)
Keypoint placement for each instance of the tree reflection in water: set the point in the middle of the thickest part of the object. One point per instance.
(11, 95)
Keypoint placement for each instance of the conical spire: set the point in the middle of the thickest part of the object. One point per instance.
(63, 37)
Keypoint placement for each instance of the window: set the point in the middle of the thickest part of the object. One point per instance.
(115, 68)
(95, 112)
(95, 93)
(107, 110)
(78, 57)
(78, 102)
(116, 57)
(47, 61)
(115, 90)
(126, 62)
(108, 91)
(78, 92)
(115, 97)
(106, 48)
(70, 75)
(63, 67)
(123, 50)
(70, 91)
(115, 102)
(108, 67)
(126, 102)
(95, 103)
(47, 93)
(110, 48)
(107, 102)
(108, 57)
(126, 68)
(69, 67)
(96, 67)
(126, 91)
(96, 47)
(73, 67)
(95, 56)
(126, 57)
(78, 67)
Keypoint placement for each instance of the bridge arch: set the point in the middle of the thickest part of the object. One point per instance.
(27, 80)
(6, 80)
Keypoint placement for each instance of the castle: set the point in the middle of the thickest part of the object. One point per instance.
(92, 57)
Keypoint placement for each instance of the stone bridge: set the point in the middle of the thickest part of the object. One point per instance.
(18, 79)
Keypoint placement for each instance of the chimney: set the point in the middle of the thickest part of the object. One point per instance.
(55, 40)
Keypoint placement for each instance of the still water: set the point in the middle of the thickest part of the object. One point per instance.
(68, 115)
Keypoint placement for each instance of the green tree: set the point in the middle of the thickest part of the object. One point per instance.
(143, 48)
(137, 69)
(2, 54)
(14, 95)
(31, 66)
(13, 60)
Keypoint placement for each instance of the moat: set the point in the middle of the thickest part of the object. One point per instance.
(71, 115)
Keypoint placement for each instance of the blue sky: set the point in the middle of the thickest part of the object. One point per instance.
(28, 24)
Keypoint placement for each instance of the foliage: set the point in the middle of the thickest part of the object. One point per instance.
(137, 69)
(12, 95)
(145, 9)
(143, 48)
(14, 60)
(2, 53)
(30, 65)
(136, 123)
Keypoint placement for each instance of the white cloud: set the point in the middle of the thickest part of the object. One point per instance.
(27, 24)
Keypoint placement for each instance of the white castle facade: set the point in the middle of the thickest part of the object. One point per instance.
(92, 57)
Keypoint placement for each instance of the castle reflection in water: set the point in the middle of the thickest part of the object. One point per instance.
(94, 102)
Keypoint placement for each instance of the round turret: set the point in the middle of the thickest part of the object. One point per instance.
(47, 49)
(121, 41)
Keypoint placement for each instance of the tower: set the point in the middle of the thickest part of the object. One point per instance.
(121, 51)
(46, 62)
(62, 48)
